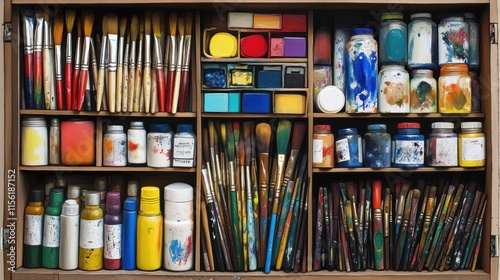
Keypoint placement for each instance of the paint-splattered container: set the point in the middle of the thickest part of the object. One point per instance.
(115, 146)
(349, 148)
(443, 150)
(408, 146)
(34, 145)
(454, 89)
(453, 40)
(159, 145)
(422, 42)
(394, 89)
(423, 92)
(149, 230)
(377, 146)
(136, 146)
(471, 145)
(361, 72)
(393, 39)
(179, 224)
(323, 155)
(77, 142)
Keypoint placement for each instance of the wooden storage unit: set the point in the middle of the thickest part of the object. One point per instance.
(25, 176)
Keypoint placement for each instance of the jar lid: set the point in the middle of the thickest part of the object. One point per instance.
(132, 187)
(392, 15)
(319, 127)
(426, 72)
(351, 130)
(178, 192)
(408, 125)
(159, 127)
(184, 128)
(454, 67)
(393, 66)
(36, 195)
(471, 125)
(136, 125)
(360, 31)
(34, 122)
(70, 208)
(113, 203)
(470, 15)
(92, 198)
(54, 121)
(115, 128)
(443, 125)
(61, 183)
(73, 192)
(130, 204)
(330, 100)
(421, 15)
(150, 200)
(377, 127)
(452, 16)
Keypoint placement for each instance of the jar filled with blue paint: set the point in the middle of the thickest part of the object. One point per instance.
(349, 148)
(393, 39)
(377, 146)
(422, 42)
(408, 146)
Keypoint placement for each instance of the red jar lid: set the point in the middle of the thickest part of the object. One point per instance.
(408, 125)
(322, 127)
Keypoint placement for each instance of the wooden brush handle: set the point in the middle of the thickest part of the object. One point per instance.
(177, 88)
(112, 91)
(38, 84)
(160, 88)
(170, 91)
(49, 81)
(138, 87)
(147, 88)
(82, 84)
(119, 88)
(67, 80)
(125, 89)
(131, 90)
(100, 88)
(184, 91)
(207, 232)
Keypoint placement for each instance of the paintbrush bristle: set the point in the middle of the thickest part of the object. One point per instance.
(205, 143)
(147, 23)
(416, 194)
(134, 28)
(211, 132)
(112, 24)
(181, 25)
(141, 30)
(157, 24)
(223, 133)
(104, 25)
(299, 130)
(236, 131)
(283, 135)
(189, 23)
(246, 130)
(263, 131)
(241, 152)
(123, 26)
(248, 151)
(172, 24)
(432, 193)
(58, 29)
(79, 28)
(230, 143)
(46, 15)
(70, 15)
(88, 23)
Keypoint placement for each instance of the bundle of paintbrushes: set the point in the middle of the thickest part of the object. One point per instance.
(255, 189)
(402, 227)
(136, 68)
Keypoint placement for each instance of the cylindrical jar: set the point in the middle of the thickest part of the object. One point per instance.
(184, 148)
(70, 225)
(54, 142)
(341, 36)
(423, 92)
(377, 146)
(349, 148)
(115, 146)
(470, 18)
(159, 145)
(475, 92)
(454, 89)
(408, 146)
(51, 229)
(77, 142)
(443, 150)
(149, 230)
(34, 147)
(453, 40)
(422, 42)
(323, 150)
(471, 145)
(136, 137)
(394, 89)
(361, 72)
(393, 39)
(91, 251)
(179, 224)
(33, 230)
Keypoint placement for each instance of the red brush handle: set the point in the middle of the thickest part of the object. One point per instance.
(82, 84)
(74, 89)
(160, 88)
(59, 94)
(377, 194)
(38, 84)
(184, 91)
(170, 92)
(67, 76)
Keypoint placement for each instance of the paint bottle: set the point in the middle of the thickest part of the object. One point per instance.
(393, 89)
(408, 146)
(422, 42)
(33, 229)
(129, 234)
(423, 92)
(473, 62)
(115, 146)
(323, 149)
(159, 145)
(34, 142)
(393, 39)
(454, 89)
(476, 92)
(70, 225)
(149, 230)
(136, 147)
(349, 148)
(132, 188)
(91, 251)
(112, 231)
(179, 224)
(443, 150)
(471, 145)
(377, 146)
(51, 229)
(361, 72)
(453, 40)
(184, 147)
(54, 142)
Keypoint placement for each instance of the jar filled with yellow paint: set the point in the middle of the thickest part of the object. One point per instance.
(34, 143)
(471, 145)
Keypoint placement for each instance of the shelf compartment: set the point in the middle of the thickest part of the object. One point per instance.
(318, 3)
(254, 60)
(257, 116)
(253, 89)
(105, 114)
(389, 116)
(396, 170)
(106, 169)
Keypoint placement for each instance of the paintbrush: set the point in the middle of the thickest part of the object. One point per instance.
(344, 232)
(207, 255)
(263, 133)
(272, 183)
(242, 198)
(28, 32)
(88, 22)
(122, 28)
(69, 16)
(76, 66)
(102, 63)
(411, 228)
(302, 236)
(154, 89)
(160, 75)
(134, 33)
(39, 94)
(178, 68)
(295, 243)
(138, 71)
(404, 230)
(378, 235)
(239, 185)
(112, 60)
(125, 76)
(352, 238)
(93, 58)
(361, 215)
(335, 224)
(172, 61)
(49, 79)
(58, 34)
(204, 252)
(146, 72)
(283, 135)
(387, 235)
(251, 245)
(367, 229)
(418, 225)
(476, 250)
(319, 231)
(429, 209)
(473, 237)
(87, 99)
(255, 192)
(184, 89)
(400, 211)
(394, 236)
(327, 230)
(351, 192)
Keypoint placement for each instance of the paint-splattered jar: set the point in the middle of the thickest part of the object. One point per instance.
(136, 147)
(377, 147)
(454, 89)
(115, 146)
(453, 40)
(54, 142)
(34, 145)
(394, 89)
(361, 72)
(178, 227)
(393, 39)
(408, 146)
(184, 147)
(77, 142)
(349, 148)
(423, 92)
(471, 145)
(470, 18)
(422, 42)
(443, 149)
(159, 145)
(323, 150)
(475, 92)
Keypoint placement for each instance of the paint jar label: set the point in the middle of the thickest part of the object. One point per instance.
(178, 246)
(317, 151)
(112, 242)
(183, 147)
(473, 148)
(446, 152)
(91, 234)
(342, 147)
(51, 226)
(409, 152)
(159, 148)
(33, 229)
(183, 162)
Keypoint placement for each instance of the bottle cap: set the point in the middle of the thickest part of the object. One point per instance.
(453, 68)
(56, 195)
(330, 100)
(348, 130)
(150, 200)
(130, 204)
(132, 187)
(61, 183)
(136, 125)
(426, 72)
(392, 15)
(34, 122)
(377, 127)
(73, 192)
(113, 203)
(359, 31)
(442, 125)
(323, 127)
(70, 208)
(54, 122)
(92, 198)
(408, 125)
(184, 128)
(471, 125)
(178, 192)
(421, 15)
(159, 127)
(115, 128)
(36, 195)
(100, 184)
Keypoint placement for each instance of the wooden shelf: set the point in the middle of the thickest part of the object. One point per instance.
(273, 60)
(396, 170)
(106, 169)
(255, 89)
(257, 116)
(104, 114)
(403, 115)
(237, 2)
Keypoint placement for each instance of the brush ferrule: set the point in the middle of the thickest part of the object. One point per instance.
(206, 185)
(263, 172)
(173, 54)
(219, 171)
(186, 57)
(58, 64)
(126, 56)
(377, 213)
(47, 35)
(249, 182)
(39, 28)
(120, 51)
(86, 50)
(139, 56)
(147, 50)
(157, 54)
(279, 175)
(290, 165)
(178, 65)
(131, 62)
(69, 50)
(232, 182)
(78, 53)
(28, 33)
(113, 52)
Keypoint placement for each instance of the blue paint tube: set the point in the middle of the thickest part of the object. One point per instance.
(129, 234)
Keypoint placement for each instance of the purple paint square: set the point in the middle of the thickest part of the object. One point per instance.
(295, 47)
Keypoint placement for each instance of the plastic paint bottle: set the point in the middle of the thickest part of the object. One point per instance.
(33, 228)
(70, 224)
(90, 256)
(51, 229)
(112, 231)
(129, 233)
(149, 230)
(136, 147)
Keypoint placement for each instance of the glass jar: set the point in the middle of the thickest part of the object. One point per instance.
(377, 147)
(453, 40)
(475, 92)
(394, 89)
(454, 89)
(349, 148)
(54, 142)
(115, 146)
(34, 145)
(423, 92)
(136, 147)
(77, 142)
(471, 145)
(184, 147)
(323, 152)
(443, 145)
(422, 42)
(361, 72)
(470, 18)
(159, 146)
(393, 39)
(408, 147)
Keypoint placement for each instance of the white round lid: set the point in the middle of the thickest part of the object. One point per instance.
(178, 192)
(443, 125)
(70, 208)
(73, 192)
(330, 100)
(471, 125)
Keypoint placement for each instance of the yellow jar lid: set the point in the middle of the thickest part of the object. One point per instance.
(223, 44)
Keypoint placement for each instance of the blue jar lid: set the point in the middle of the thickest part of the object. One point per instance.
(184, 128)
(130, 204)
(159, 127)
(348, 131)
(359, 31)
(377, 127)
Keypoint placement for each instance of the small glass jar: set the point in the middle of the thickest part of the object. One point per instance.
(377, 147)
(323, 151)
(78, 142)
(422, 42)
(453, 40)
(184, 148)
(454, 89)
(349, 148)
(475, 92)
(34, 145)
(423, 92)
(54, 142)
(473, 62)
(393, 39)
(115, 146)
(471, 145)
(136, 147)
(408, 146)
(443, 149)
(394, 89)
(159, 146)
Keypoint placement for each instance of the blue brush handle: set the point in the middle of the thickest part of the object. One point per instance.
(270, 241)
(252, 250)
